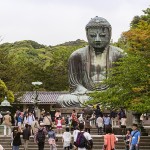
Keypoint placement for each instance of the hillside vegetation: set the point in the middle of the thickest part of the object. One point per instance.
(24, 62)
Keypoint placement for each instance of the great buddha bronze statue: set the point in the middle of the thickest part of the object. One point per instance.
(89, 66)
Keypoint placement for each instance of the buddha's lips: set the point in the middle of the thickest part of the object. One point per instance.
(98, 43)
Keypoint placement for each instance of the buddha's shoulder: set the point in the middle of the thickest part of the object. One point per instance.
(79, 51)
(116, 49)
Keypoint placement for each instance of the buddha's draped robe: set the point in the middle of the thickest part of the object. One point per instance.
(82, 69)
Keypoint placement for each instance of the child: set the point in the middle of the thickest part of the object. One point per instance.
(126, 139)
(59, 125)
(52, 139)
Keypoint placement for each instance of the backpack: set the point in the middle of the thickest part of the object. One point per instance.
(81, 141)
(41, 136)
(51, 134)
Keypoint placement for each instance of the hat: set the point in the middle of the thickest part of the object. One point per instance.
(42, 124)
(7, 112)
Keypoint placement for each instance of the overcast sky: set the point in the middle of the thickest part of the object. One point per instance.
(52, 22)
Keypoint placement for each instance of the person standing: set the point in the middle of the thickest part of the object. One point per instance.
(20, 119)
(135, 138)
(82, 138)
(1, 147)
(35, 125)
(47, 121)
(109, 139)
(52, 139)
(40, 136)
(52, 113)
(59, 125)
(121, 114)
(66, 139)
(74, 119)
(16, 138)
(113, 116)
(123, 123)
(1, 118)
(75, 134)
(57, 114)
(100, 124)
(127, 139)
(25, 119)
(87, 124)
(26, 135)
(107, 122)
(30, 120)
(7, 123)
(98, 111)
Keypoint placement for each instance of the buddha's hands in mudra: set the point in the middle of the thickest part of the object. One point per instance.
(80, 90)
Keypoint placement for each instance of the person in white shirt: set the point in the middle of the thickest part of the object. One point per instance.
(75, 133)
(1, 147)
(86, 135)
(123, 123)
(30, 120)
(66, 139)
(100, 124)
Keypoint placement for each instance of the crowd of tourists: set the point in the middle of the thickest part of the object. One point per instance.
(51, 124)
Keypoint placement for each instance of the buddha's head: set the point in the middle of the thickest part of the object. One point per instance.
(98, 32)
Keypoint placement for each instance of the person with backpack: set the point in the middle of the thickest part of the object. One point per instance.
(75, 134)
(83, 140)
(135, 138)
(26, 135)
(40, 136)
(52, 139)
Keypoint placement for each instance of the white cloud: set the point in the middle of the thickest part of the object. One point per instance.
(53, 22)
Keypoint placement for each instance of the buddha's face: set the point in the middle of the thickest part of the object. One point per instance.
(98, 38)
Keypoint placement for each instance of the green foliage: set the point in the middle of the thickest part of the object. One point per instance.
(24, 62)
(5, 92)
(137, 19)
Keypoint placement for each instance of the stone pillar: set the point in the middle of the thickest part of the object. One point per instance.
(129, 119)
(37, 112)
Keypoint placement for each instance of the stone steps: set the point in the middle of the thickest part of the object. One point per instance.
(97, 140)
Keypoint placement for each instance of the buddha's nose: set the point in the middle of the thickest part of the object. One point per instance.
(97, 39)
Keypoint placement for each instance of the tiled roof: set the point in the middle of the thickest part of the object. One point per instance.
(43, 97)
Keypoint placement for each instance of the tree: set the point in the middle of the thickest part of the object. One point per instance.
(5, 92)
(23, 62)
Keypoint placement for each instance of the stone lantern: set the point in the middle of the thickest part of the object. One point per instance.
(5, 106)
